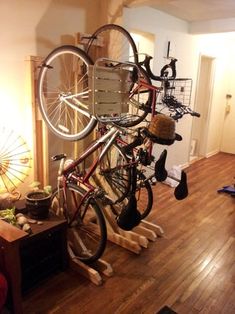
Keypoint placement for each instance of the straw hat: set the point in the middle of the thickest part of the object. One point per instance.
(162, 130)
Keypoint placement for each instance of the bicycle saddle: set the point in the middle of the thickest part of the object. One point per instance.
(130, 217)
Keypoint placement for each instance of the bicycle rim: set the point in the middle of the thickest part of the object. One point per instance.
(63, 93)
(87, 234)
(140, 102)
(113, 42)
(113, 174)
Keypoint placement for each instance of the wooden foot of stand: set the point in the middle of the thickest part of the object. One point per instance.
(92, 271)
(124, 241)
(149, 234)
(140, 239)
(120, 237)
(149, 230)
(155, 228)
(133, 240)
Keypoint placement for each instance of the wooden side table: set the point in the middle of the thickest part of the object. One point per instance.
(10, 261)
(27, 259)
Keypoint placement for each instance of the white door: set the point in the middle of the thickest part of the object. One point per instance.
(202, 105)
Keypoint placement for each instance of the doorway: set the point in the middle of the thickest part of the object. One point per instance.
(203, 98)
(144, 43)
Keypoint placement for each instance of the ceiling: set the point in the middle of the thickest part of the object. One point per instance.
(191, 10)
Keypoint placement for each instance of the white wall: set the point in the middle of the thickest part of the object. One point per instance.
(187, 48)
(167, 28)
(34, 28)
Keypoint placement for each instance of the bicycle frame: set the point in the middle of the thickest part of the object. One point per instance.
(68, 174)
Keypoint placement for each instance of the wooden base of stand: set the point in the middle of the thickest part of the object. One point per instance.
(133, 241)
(157, 230)
(92, 271)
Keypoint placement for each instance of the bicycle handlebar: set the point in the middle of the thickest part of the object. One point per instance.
(178, 108)
(182, 110)
(163, 73)
(171, 66)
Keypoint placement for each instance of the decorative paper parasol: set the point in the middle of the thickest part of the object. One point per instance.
(15, 159)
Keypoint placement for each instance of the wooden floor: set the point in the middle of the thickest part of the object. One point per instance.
(191, 269)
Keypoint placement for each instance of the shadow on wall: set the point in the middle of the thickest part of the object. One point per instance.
(58, 25)
(62, 19)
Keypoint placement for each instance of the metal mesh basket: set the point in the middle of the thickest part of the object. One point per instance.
(179, 88)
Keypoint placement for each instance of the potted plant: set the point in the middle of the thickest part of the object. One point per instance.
(38, 201)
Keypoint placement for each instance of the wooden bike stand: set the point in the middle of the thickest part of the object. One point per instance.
(92, 271)
(133, 240)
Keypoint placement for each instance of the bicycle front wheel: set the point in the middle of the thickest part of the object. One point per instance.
(86, 233)
(140, 101)
(113, 42)
(63, 93)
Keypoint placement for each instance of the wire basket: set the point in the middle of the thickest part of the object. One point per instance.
(179, 88)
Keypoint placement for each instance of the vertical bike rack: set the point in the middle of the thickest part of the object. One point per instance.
(109, 85)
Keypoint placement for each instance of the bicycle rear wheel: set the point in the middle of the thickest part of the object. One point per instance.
(63, 93)
(86, 234)
(144, 197)
(113, 42)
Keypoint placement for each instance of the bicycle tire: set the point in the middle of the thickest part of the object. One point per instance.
(139, 104)
(116, 44)
(87, 235)
(144, 195)
(63, 93)
(114, 168)
(112, 35)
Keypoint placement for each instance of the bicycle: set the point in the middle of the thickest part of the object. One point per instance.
(141, 149)
(117, 44)
(76, 197)
(64, 92)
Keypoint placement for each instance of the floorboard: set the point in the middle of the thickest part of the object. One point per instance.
(191, 268)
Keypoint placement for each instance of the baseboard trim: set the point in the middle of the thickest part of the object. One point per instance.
(212, 153)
